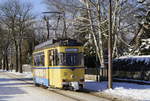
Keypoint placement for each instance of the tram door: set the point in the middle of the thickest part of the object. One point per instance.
(52, 70)
(50, 67)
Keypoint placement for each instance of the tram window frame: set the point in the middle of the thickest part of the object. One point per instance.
(36, 60)
(56, 57)
(42, 60)
(81, 59)
(39, 59)
(72, 59)
(51, 62)
(78, 59)
(62, 59)
(53, 57)
(50, 58)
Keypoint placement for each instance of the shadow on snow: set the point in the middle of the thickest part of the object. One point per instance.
(9, 92)
(5, 98)
(100, 86)
(9, 84)
(14, 79)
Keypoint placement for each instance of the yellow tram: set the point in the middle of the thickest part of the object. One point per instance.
(59, 64)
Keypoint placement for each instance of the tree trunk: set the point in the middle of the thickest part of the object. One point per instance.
(16, 47)
(102, 62)
(6, 60)
(20, 58)
(99, 51)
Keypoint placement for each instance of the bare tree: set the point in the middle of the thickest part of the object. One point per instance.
(64, 14)
(91, 17)
(5, 43)
(17, 18)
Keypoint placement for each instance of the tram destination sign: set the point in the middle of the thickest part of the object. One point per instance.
(72, 50)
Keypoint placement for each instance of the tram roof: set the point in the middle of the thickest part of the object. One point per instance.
(59, 42)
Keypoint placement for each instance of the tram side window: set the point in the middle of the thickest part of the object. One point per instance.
(56, 58)
(53, 58)
(42, 60)
(39, 60)
(62, 59)
(81, 56)
(50, 58)
(36, 60)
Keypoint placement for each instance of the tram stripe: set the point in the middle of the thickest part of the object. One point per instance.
(57, 67)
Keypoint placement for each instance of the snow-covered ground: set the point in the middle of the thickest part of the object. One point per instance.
(24, 74)
(123, 90)
(13, 89)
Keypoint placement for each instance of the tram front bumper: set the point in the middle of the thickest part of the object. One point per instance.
(74, 85)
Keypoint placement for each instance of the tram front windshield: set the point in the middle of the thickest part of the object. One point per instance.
(71, 59)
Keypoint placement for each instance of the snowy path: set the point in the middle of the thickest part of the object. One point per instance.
(12, 89)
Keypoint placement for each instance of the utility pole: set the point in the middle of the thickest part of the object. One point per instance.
(110, 47)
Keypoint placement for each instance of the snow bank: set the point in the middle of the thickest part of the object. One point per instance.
(145, 58)
(24, 74)
(133, 80)
(123, 90)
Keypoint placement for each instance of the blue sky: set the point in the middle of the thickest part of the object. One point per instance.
(38, 6)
